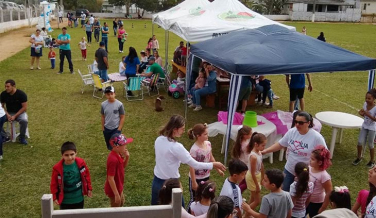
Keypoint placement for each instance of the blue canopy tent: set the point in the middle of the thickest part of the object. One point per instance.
(274, 50)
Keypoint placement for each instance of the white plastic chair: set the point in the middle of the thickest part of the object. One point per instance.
(87, 80)
(13, 129)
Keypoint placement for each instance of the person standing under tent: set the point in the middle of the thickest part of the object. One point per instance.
(297, 86)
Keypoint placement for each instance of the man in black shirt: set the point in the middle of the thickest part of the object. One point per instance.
(14, 102)
(101, 58)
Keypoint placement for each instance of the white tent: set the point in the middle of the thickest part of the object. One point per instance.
(218, 18)
(168, 17)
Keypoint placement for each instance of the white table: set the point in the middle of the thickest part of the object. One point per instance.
(116, 77)
(268, 129)
(338, 121)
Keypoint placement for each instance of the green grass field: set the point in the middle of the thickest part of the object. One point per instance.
(58, 112)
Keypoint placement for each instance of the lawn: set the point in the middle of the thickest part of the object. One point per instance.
(58, 112)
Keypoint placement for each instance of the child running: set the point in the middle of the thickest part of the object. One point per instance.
(301, 190)
(51, 56)
(240, 150)
(82, 46)
(201, 151)
(117, 160)
(204, 195)
(368, 131)
(70, 179)
(319, 162)
(255, 168)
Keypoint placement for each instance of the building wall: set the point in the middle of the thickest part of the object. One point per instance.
(350, 15)
(370, 7)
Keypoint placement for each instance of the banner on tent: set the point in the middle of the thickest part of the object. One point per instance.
(214, 35)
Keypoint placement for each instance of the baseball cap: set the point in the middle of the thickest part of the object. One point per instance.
(109, 89)
(152, 58)
(118, 139)
(101, 43)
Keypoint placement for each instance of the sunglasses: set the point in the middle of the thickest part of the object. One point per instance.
(300, 122)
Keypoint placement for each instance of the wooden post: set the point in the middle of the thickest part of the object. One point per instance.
(176, 202)
(47, 206)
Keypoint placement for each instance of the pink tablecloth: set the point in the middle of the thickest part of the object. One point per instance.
(116, 77)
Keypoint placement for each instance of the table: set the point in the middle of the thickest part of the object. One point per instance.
(176, 67)
(268, 129)
(338, 121)
(116, 77)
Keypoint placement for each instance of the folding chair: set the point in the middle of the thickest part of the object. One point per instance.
(90, 68)
(135, 85)
(99, 86)
(151, 85)
(87, 80)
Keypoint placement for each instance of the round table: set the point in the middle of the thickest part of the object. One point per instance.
(267, 128)
(338, 121)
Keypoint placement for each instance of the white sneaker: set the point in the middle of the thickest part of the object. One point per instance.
(31, 68)
(192, 106)
(39, 68)
(1, 157)
(275, 97)
(198, 108)
(190, 102)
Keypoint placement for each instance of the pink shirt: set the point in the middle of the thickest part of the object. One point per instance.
(201, 155)
(318, 194)
(362, 200)
(121, 32)
(200, 82)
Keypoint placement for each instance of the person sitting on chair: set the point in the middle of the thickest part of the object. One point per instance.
(154, 68)
(14, 102)
(209, 88)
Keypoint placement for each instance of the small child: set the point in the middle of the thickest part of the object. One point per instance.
(255, 168)
(112, 111)
(222, 207)
(199, 84)
(82, 46)
(201, 151)
(361, 202)
(320, 161)
(116, 162)
(184, 52)
(122, 67)
(205, 194)
(240, 149)
(301, 190)
(267, 91)
(51, 56)
(368, 131)
(277, 203)
(70, 179)
(230, 188)
(180, 81)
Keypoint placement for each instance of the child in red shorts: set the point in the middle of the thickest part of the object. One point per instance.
(116, 162)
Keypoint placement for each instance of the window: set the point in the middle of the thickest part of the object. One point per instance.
(310, 8)
(332, 8)
(365, 7)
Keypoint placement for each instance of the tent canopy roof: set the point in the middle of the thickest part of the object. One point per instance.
(276, 50)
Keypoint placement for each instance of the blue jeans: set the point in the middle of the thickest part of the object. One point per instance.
(103, 74)
(289, 179)
(2, 121)
(155, 187)
(296, 105)
(105, 40)
(200, 92)
(115, 30)
(107, 133)
(52, 63)
(269, 94)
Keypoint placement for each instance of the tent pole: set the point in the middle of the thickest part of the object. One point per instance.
(166, 49)
(187, 83)
(371, 79)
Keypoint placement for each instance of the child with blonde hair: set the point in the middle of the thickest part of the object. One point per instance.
(201, 151)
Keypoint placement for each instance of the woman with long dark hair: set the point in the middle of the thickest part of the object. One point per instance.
(131, 64)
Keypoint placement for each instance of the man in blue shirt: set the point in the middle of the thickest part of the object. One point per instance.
(97, 28)
(64, 41)
(297, 87)
(105, 31)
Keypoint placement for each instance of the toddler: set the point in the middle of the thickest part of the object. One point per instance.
(199, 84)
(122, 67)
(205, 194)
(82, 46)
(51, 56)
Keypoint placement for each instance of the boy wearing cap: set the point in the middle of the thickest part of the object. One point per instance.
(154, 68)
(116, 162)
(113, 115)
(70, 179)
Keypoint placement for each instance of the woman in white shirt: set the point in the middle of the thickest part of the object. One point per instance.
(37, 42)
(300, 141)
(169, 154)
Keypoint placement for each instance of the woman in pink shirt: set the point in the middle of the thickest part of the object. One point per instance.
(121, 34)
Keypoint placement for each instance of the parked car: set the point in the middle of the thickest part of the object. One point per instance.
(86, 11)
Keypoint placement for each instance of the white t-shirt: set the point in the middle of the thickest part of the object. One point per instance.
(169, 155)
(299, 147)
(2, 112)
(232, 191)
(368, 123)
(121, 67)
(258, 163)
(95, 66)
(371, 209)
(60, 14)
(36, 39)
(82, 45)
(185, 214)
(83, 16)
(201, 155)
(199, 209)
(91, 20)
